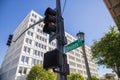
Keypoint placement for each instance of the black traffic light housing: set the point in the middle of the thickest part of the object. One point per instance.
(9, 40)
(50, 11)
(50, 21)
(52, 59)
(48, 28)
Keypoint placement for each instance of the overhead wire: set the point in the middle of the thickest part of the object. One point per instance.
(64, 6)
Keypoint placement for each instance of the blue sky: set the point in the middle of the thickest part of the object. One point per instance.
(88, 16)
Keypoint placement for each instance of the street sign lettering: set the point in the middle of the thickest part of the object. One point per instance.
(73, 45)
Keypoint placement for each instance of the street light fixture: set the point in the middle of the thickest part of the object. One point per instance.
(81, 35)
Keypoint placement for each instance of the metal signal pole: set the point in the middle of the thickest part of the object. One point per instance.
(60, 41)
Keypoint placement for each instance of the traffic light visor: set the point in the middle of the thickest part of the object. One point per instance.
(50, 11)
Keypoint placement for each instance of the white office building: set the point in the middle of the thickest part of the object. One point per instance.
(29, 49)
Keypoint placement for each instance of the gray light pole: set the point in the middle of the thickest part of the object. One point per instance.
(81, 35)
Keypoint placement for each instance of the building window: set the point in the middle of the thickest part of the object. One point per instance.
(28, 41)
(32, 20)
(77, 54)
(35, 61)
(30, 33)
(53, 44)
(31, 27)
(41, 38)
(42, 25)
(27, 49)
(25, 70)
(72, 70)
(71, 57)
(23, 58)
(38, 62)
(42, 54)
(39, 24)
(43, 46)
(45, 40)
(50, 49)
(36, 53)
(37, 36)
(37, 44)
(20, 70)
(38, 30)
(33, 14)
(79, 66)
(78, 60)
(44, 34)
(39, 53)
(26, 60)
(72, 63)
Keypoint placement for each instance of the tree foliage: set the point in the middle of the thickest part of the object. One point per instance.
(94, 78)
(109, 76)
(38, 73)
(75, 76)
(106, 51)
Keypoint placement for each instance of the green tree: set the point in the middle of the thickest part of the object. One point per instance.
(75, 76)
(106, 51)
(94, 78)
(109, 76)
(38, 73)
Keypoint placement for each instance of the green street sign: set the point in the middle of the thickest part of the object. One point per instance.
(73, 45)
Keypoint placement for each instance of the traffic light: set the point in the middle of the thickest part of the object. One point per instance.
(52, 59)
(50, 22)
(9, 40)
